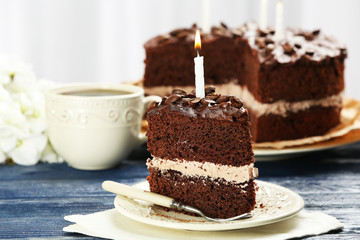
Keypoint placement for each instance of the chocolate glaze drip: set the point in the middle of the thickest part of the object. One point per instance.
(297, 45)
(213, 105)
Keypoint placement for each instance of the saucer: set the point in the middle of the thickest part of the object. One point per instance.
(274, 203)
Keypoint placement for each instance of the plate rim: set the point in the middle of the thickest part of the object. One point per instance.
(211, 226)
(266, 152)
(270, 154)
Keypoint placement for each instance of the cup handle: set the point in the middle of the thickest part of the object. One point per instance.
(146, 101)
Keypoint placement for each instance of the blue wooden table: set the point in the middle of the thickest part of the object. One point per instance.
(34, 200)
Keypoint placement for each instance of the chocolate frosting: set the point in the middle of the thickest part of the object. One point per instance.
(297, 44)
(212, 106)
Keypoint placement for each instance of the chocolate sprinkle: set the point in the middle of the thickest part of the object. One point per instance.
(262, 32)
(260, 42)
(195, 101)
(185, 101)
(309, 36)
(288, 49)
(203, 101)
(212, 96)
(316, 32)
(310, 52)
(222, 98)
(269, 41)
(178, 91)
(224, 25)
(236, 102)
(209, 90)
(172, 99)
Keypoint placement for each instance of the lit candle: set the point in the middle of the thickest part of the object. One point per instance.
(206, 16)
(199, 68)
(263, 13)
(279, 20)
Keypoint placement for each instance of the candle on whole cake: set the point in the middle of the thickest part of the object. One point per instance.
(279, 21)
(202, 152)
(263, 14)
(292, 86)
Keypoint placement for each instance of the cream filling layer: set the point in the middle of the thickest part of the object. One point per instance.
(205, 169)
(279, 107)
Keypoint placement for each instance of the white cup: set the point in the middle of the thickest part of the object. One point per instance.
(94, 131)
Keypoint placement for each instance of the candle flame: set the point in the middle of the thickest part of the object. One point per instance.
(197, 45)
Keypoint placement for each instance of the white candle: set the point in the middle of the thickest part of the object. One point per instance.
(279, 20)
(199, 77)
(206, 16)
(199, 69)
(263, 14)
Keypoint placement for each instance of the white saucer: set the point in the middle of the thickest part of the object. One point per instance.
(274, 203)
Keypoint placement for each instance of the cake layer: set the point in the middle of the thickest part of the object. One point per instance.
(298, 81)
(205, 169)
(215, 198)
(281, 84)
(211, 131)
(311, 122)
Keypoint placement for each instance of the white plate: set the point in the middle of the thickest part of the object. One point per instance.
(274, 203)
(279, 154)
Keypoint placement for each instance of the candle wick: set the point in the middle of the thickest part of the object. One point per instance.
(197, 50)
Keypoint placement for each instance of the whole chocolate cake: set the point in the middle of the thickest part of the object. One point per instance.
(202, 152)
(292, 86)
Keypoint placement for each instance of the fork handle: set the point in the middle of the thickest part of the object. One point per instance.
(137, 193)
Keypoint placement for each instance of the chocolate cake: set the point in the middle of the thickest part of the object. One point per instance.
(292, 86)
(202, 152)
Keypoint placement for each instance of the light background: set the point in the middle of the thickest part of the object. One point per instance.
(102, 40)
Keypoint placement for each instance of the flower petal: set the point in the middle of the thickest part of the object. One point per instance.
(29, 151)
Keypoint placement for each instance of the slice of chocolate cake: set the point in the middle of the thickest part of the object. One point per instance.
(202, 152)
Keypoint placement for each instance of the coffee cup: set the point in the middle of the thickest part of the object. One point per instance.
(94, 126)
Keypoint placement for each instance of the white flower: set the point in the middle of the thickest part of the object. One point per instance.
(28, 151)
(22, 115)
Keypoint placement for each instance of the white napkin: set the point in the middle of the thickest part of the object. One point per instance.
(112, 225)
